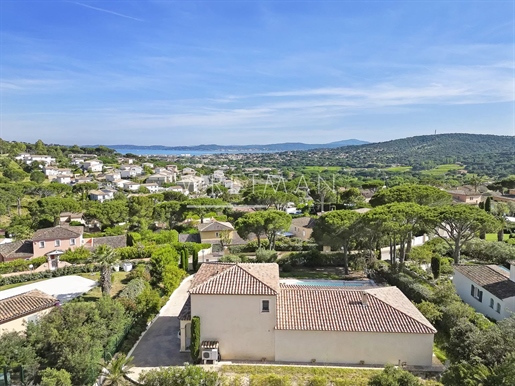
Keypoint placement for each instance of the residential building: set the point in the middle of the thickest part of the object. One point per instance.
(160, 178)
(191, 183)
(213, 231)
(64, 178)
(188, 171)
(152, 188)
(132, 186)
(489, 289)
(93, 165)
(56, 240)
(302, 227)
(68, 217)
(247, 313)
(21, 249)
(16, 311)
(130, 171)
(114, 176)
(29, 158)
(101, 195)
(462, 196)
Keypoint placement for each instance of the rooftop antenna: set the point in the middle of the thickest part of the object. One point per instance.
(435, 132)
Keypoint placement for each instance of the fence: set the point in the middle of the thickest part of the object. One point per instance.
(14, 377)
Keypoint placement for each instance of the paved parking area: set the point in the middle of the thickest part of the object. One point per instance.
(160, 344)
(63, 288)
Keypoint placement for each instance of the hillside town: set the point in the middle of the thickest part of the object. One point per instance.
(142, 263)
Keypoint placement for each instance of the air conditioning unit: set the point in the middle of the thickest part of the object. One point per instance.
(210, 354)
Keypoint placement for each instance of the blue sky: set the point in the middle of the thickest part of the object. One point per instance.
(244, 72)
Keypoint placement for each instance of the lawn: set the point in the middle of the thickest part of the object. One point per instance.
(320, 169)
(9, 286)
(301, 374)
(442, 169)
(398, 169)
(118, 282)
(493, 237)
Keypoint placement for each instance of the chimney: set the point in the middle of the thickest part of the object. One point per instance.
(364, 299)
(512, 270)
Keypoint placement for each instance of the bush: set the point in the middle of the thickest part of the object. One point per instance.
(133, 289)
(195, 339)
(180, 376)
(269, 380)
(318, 380)
(489, 251)
(66, 271)
(392, 376)
(79, 255)
(265, 256)
(21, 265)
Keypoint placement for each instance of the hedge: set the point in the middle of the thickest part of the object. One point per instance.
(21, 265)
(69, 270)
(133, 289)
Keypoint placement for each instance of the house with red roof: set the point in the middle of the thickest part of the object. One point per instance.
(247, 313)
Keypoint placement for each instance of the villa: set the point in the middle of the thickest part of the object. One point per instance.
(247, 313)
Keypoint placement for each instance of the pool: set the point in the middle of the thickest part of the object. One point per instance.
(329, 283)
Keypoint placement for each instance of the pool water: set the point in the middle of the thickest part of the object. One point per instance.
(329, 283)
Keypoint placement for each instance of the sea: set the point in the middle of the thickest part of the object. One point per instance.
(184, 153)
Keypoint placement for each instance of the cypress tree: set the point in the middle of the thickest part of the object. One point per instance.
(195, 339)
(435, 266)
(195, 260)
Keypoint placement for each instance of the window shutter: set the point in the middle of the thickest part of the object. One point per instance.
(472, 290)
(480, 296)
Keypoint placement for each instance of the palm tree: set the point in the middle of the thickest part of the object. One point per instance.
(106, 256)
(116, 371)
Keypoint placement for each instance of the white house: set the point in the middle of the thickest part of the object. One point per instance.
(152, 188)
(64, 178)
(132, 186)
(489, 289)
(113, 176)
(129, 171)
(247, 313)
(93, 165)
(191, 183)
(29, 158)
(101, 195)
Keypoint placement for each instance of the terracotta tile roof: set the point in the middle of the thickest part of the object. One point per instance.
(304, 222)
(16, 250)
(492, 278)
(24, 304)
(60, 232)
(112, 241)
(340, 309)
(236, 279)
(216, 226)
(185, 313)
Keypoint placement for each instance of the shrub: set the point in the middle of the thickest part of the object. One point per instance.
(133, 289)
(21, 265)
(435, 266)
(79, 255)
(265, 256)
(318, 380)
(269, 380)
(54, 377)
(195, 339)
(180, 376)
(392, 376)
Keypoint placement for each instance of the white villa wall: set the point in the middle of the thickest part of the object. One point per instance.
(463, 287)
(236, 321)
(353, 347)
(20, 324)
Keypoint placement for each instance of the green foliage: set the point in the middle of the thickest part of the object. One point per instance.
(162, 257)
(195, 261)
(54, 377)
(489, 251)
(430, 310)
(78, 255)
(392, 376)
(74, 336)
(435, 266)
(37, 176)
(21, 265)
(184, 260)
(195, 339)
(418, 194)
(180, 376)
(66, 271)
(269, 380)
(265, 256)
(318, 380)
(15, 351)
(133, 289)
(117, 369)
(172, 277)
(267, 222)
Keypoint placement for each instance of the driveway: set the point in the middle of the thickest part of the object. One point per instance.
(160, 344)
(63, 288)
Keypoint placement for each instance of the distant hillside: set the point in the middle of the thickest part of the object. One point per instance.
(289, 146)
(490, 155)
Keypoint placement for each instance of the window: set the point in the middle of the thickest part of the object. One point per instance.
(265, 305)
(492, 304)
(217, 234)
(498, 308)
(57, 243)
(72, 241)
(476, 293)
(42, 244)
